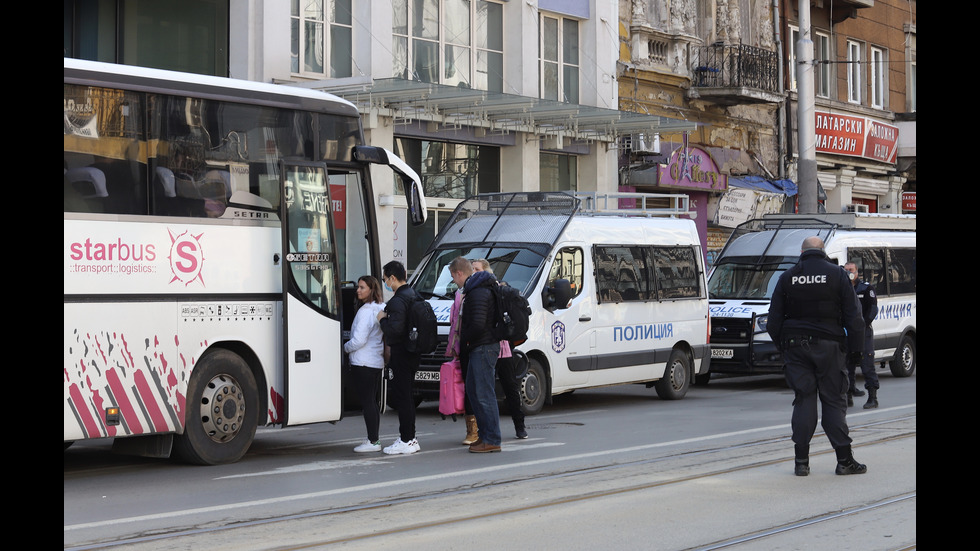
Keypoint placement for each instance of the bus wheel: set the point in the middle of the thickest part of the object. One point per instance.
(677, 377)
(533, 388)
(222, 411)
(904, 362)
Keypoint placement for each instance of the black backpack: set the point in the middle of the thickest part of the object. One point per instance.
(513, 315)
(423, 333)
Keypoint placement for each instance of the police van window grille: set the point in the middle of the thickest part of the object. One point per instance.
(509, 217)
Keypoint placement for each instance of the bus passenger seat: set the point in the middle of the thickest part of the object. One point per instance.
(85, 190)
(166, 182)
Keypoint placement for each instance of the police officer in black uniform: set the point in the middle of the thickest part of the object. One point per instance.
(814, 319)
(869, 311)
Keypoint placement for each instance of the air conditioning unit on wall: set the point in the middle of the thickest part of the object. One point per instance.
(856, 208)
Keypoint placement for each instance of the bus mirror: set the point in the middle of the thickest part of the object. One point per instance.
(414, 198)
(558, 295)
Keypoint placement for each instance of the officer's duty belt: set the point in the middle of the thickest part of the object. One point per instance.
(800, 340)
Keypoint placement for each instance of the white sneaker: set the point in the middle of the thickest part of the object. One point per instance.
(368, 446)
(400, 447)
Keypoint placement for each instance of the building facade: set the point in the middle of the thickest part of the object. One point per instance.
(864, 55)
(715, 63)
(671, 96)
(476, 95)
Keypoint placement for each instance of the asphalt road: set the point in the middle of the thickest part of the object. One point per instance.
(606, 468)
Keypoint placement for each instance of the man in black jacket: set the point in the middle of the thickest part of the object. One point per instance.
(813, 313)
(481, 349)
(403, 364)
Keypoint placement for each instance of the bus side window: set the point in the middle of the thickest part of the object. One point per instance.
(104, 147)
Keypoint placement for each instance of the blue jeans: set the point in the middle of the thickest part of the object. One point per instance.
(481, 390)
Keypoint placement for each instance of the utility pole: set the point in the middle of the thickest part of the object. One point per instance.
(806, 120)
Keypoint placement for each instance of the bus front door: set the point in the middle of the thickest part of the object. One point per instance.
(311, 325)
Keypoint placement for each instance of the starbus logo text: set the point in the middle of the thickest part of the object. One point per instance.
(112, 251)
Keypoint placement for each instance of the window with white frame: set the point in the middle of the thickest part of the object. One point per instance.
(558, 57)
(911, 87)
(452, 42)
(854, 81)
(878, 75)
(821, 57)
(321, 38)
(821, 70)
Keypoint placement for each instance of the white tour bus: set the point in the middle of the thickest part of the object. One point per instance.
(213, 232)
(618, 294)
(745, 274)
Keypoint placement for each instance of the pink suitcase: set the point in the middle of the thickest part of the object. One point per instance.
(451, 389)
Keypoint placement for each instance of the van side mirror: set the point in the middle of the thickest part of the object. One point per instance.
(558, 295)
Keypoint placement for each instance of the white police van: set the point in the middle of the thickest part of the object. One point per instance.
(619, 295)
(745, 274)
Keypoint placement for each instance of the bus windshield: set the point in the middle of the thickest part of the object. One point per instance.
(747, 278)
(515, 266)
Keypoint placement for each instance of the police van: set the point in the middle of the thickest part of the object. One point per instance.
(759, 251)
(616, 284)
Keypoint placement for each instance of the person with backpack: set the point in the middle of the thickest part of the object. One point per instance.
(366, 352)
(506, 364)
(480, 349)
(403, 362)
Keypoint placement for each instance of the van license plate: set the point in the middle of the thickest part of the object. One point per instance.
(426, 375)
(722, 353)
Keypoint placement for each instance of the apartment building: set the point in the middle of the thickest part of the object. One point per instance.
(865, 102)
(717, 64)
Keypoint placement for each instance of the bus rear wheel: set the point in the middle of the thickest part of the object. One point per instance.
(222, 411)
(677, 377)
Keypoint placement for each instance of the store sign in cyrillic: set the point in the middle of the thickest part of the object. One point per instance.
(908, 201)
(856, 136)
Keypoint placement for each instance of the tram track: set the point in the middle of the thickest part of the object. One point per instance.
(455, 508)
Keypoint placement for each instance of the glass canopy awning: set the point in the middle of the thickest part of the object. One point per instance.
(410, 100)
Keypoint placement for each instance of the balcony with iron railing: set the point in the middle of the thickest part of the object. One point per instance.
(735, 74)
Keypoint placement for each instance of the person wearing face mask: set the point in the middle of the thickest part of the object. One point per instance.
(403, 364)
(869, 310)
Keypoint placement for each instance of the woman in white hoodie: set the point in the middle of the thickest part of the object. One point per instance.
(366, 350)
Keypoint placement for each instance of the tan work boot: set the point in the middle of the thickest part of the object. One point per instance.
(471, 430)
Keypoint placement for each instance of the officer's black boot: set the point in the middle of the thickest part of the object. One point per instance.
(872, 399)
(846, 463)
(850, 398)
(857, 391)
(802, 461)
